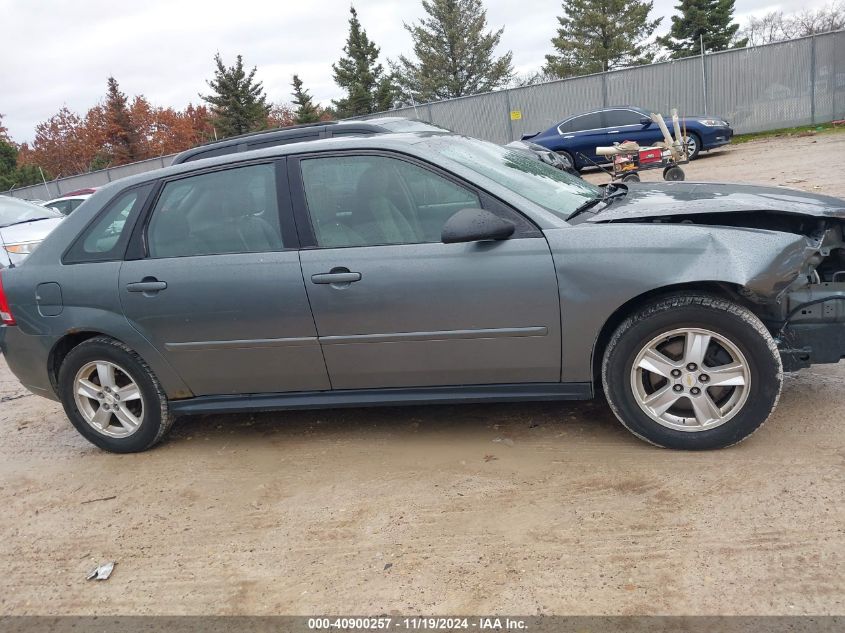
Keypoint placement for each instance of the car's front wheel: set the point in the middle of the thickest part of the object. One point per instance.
(693, 143)
(112, 397)
(692, 372)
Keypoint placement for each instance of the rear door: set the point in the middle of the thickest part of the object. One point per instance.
(394, 306)
(583, 134)
(213, 280)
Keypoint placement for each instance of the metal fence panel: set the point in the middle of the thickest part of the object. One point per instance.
(543, 105)
(480, 116)
(768, 87)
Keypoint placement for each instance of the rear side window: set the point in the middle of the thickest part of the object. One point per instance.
(227, 211)
(584, 122)
(105, 239)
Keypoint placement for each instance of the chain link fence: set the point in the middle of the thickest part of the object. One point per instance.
(787, 84)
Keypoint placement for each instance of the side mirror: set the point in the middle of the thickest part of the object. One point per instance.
(645, 121)
(472, 225)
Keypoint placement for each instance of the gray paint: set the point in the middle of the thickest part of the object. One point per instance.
(229, 323)
(514, 312)
(438, 314)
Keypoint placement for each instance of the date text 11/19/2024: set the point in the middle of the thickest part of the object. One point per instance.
(416, 624)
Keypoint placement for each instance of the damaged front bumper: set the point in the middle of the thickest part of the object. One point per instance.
(812, 344)
(814, 330)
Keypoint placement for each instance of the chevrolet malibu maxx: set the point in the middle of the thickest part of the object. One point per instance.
(423, 268)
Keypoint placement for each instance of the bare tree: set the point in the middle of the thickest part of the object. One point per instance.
(776, 27)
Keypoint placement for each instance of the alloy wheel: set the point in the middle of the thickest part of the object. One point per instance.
(690, 379)
(109, 399)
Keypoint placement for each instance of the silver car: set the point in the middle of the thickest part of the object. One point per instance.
(422, 268)
(23, 226)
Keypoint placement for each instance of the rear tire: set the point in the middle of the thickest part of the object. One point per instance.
(731, 390)
(112, 397)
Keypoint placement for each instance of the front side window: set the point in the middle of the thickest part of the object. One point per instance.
(227, 211)
(375, 200)
(622, 117)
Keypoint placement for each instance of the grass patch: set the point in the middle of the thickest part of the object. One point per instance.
(804, 130)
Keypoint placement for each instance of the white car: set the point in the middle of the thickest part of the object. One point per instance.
(68, 203)
(23, 226)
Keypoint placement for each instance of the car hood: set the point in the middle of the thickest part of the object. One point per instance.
(656, 200)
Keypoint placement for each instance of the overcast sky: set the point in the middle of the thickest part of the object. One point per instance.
(60, 52)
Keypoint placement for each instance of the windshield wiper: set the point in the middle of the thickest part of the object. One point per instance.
(5, 226)
(609, 194)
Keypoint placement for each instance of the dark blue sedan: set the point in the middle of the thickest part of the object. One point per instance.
(578, 136)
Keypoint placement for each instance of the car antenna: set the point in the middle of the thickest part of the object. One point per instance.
(3, 242)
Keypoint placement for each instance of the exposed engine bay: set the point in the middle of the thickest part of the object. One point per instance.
(807, 317)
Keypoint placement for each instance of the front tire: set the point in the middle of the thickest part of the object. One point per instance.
(693, 142)
(692, 371)
(112, 396)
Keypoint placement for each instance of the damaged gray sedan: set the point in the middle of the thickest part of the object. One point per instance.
(412, 269)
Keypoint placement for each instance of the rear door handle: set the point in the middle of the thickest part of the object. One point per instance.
(147, 285)
(336, 276)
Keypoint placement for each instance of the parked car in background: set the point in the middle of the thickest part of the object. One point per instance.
(303, 133)
(424, 268)
(68, 203)
(538, 152)
(577, 136)
(23, 226)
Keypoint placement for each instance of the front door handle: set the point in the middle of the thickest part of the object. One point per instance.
(148, 285)
(339, 276)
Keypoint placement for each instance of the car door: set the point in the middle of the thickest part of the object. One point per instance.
(626, 125)
(213, 280)
(395, 307)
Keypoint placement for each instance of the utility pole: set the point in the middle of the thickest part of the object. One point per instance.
(703, 74)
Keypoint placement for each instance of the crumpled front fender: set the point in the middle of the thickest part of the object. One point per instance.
(602, 267)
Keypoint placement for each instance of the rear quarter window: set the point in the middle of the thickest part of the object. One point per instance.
(106, 237)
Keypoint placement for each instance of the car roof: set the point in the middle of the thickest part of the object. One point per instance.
(395, 141)
(375, 125)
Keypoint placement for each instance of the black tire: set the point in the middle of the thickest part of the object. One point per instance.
(157, 418)
(697, 141)
(691, 310)
(631, 178)
(673, 173)
(567, 156)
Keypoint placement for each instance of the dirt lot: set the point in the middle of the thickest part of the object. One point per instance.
(524, 509)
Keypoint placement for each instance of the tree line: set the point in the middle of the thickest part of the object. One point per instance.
(453, 54)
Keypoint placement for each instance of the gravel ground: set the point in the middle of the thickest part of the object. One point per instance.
(519, 508)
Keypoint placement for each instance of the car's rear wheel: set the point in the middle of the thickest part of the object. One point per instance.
(112, 397)
(568, 157)
(692, 372)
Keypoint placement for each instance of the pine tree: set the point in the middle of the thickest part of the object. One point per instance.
(454, 53)
(710, 18)
(306, 111)
(239, 104)
(121, 137)
(367, 88)
(600, 35)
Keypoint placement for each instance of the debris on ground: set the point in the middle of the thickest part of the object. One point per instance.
(490, 458)
(98, 499)
(101, 572)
